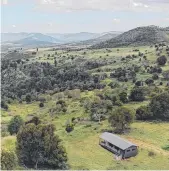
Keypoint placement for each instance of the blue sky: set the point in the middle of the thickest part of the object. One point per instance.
(70, 16)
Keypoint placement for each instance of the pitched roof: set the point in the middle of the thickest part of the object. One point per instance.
(116, 140)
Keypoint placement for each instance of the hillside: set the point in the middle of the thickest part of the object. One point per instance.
(140, 36)
(82, 83)
(104, 37)
(37, 39)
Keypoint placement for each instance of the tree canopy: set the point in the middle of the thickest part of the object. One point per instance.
(38, 147)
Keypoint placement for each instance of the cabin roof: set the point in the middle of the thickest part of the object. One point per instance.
(116, 140)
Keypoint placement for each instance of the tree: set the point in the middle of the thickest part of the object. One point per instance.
(137, 94)
(38, 147)
(123, 97)
(14, 125)
(28, 98)
(155, 76)
(149, 81)
(4, 105)
(8, 159)
(121, 117)
(99, 109)
(143, 113)
(159, 106)
(161, 60)
(166, 75)
(41, 104)
(55, 62)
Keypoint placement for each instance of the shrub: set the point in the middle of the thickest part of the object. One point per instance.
(14, 125)
(41, 104)
(123, 97)
(139, 83)
(155, 77)
(137, 94)
(149, 81)
(28, 98)
(161, 60)
(8, 159)
(64, 109)
(143, 113)
(4, 105)
(69, 127)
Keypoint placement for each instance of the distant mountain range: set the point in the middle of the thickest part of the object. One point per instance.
(139, 36)
(39, 39)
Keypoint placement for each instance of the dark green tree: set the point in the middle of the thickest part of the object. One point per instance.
(4, 105)
(121, 118)
(55, 62)
(123, 97)
(28, 98)
(159, 106)
(143, 113)
(39, 148)
(161, 60)
(14, 125)
(137, 94)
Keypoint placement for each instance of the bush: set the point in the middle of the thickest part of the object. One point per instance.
(161, 60)
(14, 125)
(8, 159)
(143, 113)
(41, 104)
(137, 94)
(139, 83)
(155, 77)
(69, 127)
(149, 81)
(28, 98)
(123, 97)
(4, 105)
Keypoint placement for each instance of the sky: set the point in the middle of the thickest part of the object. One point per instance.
(72, 16)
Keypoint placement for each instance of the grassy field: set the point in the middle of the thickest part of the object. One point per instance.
(82, 145)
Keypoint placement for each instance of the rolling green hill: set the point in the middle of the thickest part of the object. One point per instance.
(141, 36)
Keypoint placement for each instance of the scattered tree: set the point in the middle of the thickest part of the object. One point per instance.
(14, 125)
(121, 117)
(161, 60)
(39, 148)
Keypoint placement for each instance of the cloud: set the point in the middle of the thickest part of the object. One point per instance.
(74, 5)
(13, 26)
(50, 24)
(116, 20)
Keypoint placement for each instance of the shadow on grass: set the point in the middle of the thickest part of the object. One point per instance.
(166, 148)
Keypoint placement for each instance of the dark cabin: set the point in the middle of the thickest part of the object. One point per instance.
(119, 146)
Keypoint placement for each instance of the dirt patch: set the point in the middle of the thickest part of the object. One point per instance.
(149, 146)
